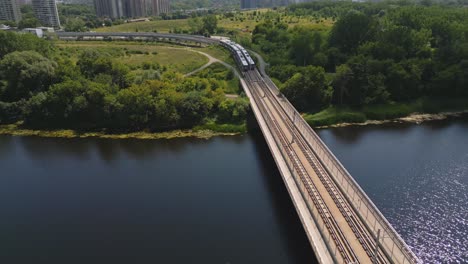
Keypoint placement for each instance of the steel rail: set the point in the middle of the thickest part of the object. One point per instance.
(363, 235)
(388, 231)
(336, 233)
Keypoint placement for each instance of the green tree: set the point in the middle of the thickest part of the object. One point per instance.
(233, 110)
(75, 25)
(308, 89)
(196, 25)
(210, 23)
(301, 49)
(31, 22)
(26, 72)
(351, 31)
(11, 41)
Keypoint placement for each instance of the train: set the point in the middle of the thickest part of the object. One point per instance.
(241, 56)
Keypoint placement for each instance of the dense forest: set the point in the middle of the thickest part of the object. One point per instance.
(41, 86)
(374, 53)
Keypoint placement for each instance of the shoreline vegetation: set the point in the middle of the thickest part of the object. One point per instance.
(205, 131)
(423, 109)
(414, 118)
(210, 130)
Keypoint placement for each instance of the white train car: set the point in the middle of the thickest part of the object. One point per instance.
(238, 54)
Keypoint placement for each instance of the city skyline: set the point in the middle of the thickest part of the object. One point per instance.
(9, 10)
(46, 12)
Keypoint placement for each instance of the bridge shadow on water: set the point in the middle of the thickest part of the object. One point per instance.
(291, 229)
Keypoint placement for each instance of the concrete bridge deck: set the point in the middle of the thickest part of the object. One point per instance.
(343, 225)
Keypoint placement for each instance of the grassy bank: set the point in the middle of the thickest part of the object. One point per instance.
(204, 131)
(222, 128)
(136, 54)
(336, 115)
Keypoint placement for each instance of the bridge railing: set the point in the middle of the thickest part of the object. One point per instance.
(388, 238)
(300, 183)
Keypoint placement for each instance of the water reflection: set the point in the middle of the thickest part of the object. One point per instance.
(295, 239)
(136, 201)
(418, 176)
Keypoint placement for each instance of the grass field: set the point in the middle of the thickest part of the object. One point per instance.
(243, 23)
(174, 58)
(220, 53)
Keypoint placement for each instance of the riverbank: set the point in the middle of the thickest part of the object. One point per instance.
(412, 118)
(204, 131)
(418, 111)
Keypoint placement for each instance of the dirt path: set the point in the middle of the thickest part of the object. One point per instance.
(211, 60)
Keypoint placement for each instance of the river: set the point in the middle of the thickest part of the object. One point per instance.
(417, 175)
(220, 200)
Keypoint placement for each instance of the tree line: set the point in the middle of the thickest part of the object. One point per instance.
(43, 88)
(374, 53)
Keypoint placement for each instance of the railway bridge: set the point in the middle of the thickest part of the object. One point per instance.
(340, 220)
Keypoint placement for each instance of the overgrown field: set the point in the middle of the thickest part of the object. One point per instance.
(179, 59)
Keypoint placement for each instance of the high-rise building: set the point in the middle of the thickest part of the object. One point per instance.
(46, 12)
(135, 8)
(158, 7)
(248, 4)
(109, 8)
(130, 8)
(9, 10)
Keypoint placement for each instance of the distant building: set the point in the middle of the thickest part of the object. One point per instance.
(248, 4)
(35, 31)
(130, 8)
(4, 27)
(158, 7)
(9, 10)
(79, 2)
(135, 8)
(47, 29)
(109, 8)
(46, 12)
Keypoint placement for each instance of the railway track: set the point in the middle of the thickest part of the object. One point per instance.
(365, 238)
(336, 234)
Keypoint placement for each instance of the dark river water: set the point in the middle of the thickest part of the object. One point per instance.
(220, 200)
(417, 175)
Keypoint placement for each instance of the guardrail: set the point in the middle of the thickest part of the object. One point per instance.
(304, 188)
(382, 230)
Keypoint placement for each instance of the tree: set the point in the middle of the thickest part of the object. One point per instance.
(210, 23)
(365, 83)
(308, 89)
(75, 25)
(94, 64)
(26, 72)
(340, 82)
(350, 31)
(196, 25)
(29, 23)
(233, 110)
(301, 49)
(11, 41)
